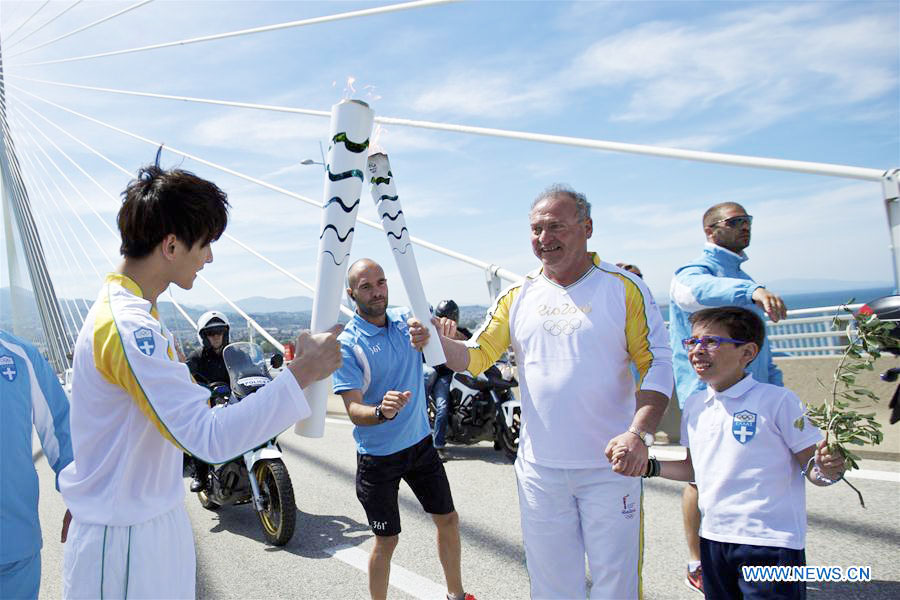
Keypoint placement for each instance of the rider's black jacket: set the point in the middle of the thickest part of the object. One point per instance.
(207, 367)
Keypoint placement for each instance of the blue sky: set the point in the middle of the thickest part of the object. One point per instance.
(814, 81)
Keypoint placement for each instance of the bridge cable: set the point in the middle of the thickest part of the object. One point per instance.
(80, 29)
(31, 243)
(78, 191)
(254, 30)
(60, 231)
(504, 273)
(71, 323)
(34, 31)
(249, 319)
(58, 207)
(25, 22)
(100, 277)
(737, 160)
(303, 283)
(36, 159)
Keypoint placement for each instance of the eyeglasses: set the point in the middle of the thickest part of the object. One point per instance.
(708, 342)
(735, 222)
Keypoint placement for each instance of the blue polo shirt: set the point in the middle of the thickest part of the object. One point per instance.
(377, 360)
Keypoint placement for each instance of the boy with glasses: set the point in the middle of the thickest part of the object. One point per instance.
(713, 279)
(746, 455)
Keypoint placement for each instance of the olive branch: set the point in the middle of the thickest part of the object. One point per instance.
(839, 415)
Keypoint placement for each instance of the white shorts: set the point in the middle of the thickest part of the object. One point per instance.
(567, 513)
(154, 559)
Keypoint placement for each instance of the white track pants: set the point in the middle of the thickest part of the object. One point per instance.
(154, 559)
(567, 513)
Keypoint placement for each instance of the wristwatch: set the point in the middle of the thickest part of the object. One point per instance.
(647, 438)
(381, 416)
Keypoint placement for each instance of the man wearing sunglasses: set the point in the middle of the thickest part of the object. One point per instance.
(713, 279)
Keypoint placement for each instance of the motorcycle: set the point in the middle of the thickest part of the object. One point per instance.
(481, 408)
(269, 489)
(887, 309)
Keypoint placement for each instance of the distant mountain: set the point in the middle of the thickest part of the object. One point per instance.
(808, 286)
(258, 304)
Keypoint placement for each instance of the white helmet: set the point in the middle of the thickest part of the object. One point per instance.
(210, 320)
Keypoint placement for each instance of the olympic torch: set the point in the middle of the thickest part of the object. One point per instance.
(387, 203)
(351, 125)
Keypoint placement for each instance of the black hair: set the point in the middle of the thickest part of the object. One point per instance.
(740, 323)
(160, 202)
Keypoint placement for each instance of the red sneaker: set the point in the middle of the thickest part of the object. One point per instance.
(694, 579)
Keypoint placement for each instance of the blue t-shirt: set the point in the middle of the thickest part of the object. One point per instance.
(377, 360)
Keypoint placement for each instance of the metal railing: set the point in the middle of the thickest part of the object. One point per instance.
(808, 333)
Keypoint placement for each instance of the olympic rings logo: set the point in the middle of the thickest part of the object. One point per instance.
(556, 327)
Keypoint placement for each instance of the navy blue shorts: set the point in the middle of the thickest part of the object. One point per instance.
(378, 481)
(722, 576)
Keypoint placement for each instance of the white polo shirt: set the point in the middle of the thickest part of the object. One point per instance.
(742, 442)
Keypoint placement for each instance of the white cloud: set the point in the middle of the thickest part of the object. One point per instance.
(260, 128)
(743, 70)
(500, 93)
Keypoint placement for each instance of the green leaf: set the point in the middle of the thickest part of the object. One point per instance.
(800, 423)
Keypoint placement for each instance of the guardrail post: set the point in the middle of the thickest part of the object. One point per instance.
(891, 185)
(494, 283)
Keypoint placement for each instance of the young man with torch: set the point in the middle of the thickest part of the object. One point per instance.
(576, 326)
(135, 408)
(381, 384)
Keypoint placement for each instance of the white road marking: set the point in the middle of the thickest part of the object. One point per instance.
(678, 453)
(402, 579)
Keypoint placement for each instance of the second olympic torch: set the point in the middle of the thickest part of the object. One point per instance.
(351, 125)
(384, 193)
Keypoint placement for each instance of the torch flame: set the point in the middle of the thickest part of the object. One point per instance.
(374, 142)
(349, 89)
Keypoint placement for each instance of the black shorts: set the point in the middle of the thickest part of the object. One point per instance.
(378, 481)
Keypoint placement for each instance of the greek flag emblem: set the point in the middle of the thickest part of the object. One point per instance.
(145, 341)
(744, 426)
(8, 369)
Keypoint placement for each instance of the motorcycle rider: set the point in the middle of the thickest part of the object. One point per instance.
(207, 367)
(441, 389)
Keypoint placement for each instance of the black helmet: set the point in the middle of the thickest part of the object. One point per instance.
(449, 309)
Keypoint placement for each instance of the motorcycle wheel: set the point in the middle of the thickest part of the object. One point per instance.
(507, 439)
(280, 513)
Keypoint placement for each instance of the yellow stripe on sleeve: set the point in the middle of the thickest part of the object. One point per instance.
(111, 361)
(637, 330)
(492, 338)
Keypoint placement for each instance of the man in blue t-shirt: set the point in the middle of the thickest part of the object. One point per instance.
(31, 395)
(381, 384)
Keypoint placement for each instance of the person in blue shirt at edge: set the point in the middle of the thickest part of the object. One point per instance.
(31, 394)
(714, 279)
(381, 384)
(441, 389)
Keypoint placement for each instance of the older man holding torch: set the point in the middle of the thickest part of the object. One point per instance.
(576, 325)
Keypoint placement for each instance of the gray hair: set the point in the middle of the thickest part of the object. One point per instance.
(582, 206)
